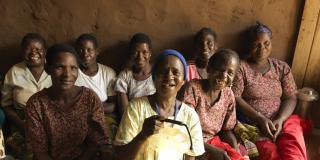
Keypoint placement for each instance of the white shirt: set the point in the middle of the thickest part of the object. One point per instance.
(132, 87)
(139, 109)
(19, 85)
(102, 83)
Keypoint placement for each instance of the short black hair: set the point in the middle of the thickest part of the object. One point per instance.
(53, 51)
(33, 37)
(139, 38)
(203, 31)
(89, 37)
(221, 56)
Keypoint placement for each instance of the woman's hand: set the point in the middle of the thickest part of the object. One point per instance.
(218, 154)
(151, 125)
(278, 125)
(267, 127)
(229, 137)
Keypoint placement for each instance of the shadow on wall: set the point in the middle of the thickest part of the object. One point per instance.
(9, 53)
(183, 44)
(115, 56)
(241, 45)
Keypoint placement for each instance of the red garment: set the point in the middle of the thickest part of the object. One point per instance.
(290, 144)
(232, 153)
(307, 126)
(193, 72)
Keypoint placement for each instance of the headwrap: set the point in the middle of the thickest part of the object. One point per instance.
(260, 28)
(165, 53)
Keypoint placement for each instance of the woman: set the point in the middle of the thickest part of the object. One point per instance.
(205, 46)
(136, 81)
(64, 121)
(20, 83)
(215, 104)
(143, 117)
(98, 77)
(266, 95)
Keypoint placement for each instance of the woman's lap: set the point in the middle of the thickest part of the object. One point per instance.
(290, 143)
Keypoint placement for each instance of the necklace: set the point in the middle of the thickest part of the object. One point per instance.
(175, 112)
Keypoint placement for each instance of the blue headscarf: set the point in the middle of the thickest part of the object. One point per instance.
(165, 53)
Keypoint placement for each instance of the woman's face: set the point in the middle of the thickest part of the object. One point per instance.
(88, 52)
(141, 55)
(169, 77)
(206, 47)
(260, 48)
(34, 53)
(222, 74)
(64, 70)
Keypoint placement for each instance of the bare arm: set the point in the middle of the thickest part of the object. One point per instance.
(228, 136)
(246, 109)
(110, 104)
(13, 116)
(132, 148)
(151, 125)
(287, 107)
(216, 153)
(265, 124)
(123, 101)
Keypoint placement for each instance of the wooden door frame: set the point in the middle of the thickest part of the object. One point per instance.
(305, 42)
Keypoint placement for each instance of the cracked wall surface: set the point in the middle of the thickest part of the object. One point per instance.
(170, 23)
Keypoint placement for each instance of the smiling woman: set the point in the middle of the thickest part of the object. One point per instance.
(206, 44)
(266, 96)
(136, 81)
(215, 104)
(145, 117)
(23, 80)
(65, 121)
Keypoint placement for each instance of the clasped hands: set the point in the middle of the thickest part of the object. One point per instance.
(269, 128)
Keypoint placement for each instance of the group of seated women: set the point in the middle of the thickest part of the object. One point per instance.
(61, 104)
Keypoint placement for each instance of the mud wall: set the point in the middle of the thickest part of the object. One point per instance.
(170, 23)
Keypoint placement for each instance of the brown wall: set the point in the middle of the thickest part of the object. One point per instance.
(170, 23)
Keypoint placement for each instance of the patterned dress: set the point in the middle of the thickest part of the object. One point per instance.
(264, 92)
(213, 117)
(65, 133)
